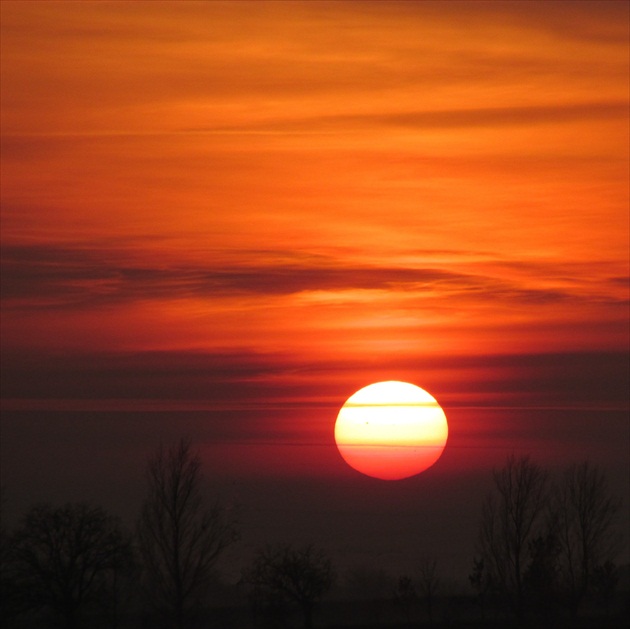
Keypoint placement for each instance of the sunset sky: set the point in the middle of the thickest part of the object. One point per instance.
(221, 219)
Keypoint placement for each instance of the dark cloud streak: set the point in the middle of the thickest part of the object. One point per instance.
(443, 119)
(54, 277)
(246, 378)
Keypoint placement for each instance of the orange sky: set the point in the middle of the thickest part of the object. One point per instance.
(326, 179)
(221, 219)
(334, 190)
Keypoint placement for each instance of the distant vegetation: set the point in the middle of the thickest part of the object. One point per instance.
(545, 556)
(179, 537)
(545, 548)
(284, 575)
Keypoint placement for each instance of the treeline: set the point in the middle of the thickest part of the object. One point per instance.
(546, 546)
(75, 566)
(545, 549)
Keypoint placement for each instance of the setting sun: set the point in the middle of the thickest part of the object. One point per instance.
(222, 220)
(391, 430)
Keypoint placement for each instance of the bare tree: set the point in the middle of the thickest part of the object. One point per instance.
(586, 514)
(371, 586)
(480, 581)
(604, 582)
(428, 583)
(7, 581)
(541, 574)
(65, 559)
(302, 576)
(180, 537)
(405, 596)
(509, 521)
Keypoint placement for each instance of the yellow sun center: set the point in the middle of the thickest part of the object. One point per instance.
(391, 430)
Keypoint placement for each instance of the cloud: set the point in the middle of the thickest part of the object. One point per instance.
(275, 383)
(437, 118)
(136, 66)
(51, 276)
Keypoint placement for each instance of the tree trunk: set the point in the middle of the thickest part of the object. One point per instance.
(307, 610)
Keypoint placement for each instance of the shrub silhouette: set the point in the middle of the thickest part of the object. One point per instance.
(66, 560)
(284, 574)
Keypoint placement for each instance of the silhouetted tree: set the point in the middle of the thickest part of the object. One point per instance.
(281, 574)
(64, 559)
(481, 582)
(405, 595)
(510, 519)
(541, 575)
(586, 513)
(604, 581)
(373, 587)
(9, 592)
(428, 583)
(180, 538)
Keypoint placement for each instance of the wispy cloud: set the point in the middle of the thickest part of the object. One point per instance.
(434, 119)
(49, 276)
(238, 380)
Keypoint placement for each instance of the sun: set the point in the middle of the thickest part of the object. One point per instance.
(391, 430)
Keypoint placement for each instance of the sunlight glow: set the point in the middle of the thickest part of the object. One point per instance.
(391, 430)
